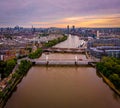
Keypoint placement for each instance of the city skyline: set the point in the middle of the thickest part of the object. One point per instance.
(58, 13)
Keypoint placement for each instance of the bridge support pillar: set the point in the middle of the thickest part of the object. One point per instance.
(76, 58)
(47, 62)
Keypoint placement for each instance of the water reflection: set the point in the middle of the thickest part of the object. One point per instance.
(116, 97)
(98, 74)
(62, 87)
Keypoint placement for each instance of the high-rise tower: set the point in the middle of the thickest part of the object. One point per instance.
(98, 34)
(73, 29)
(33, 30)
(68, 29)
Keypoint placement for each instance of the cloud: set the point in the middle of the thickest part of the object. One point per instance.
(55, 12)
(87, 21)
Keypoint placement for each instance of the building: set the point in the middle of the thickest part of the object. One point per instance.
(103, 42)
(7, 55)
(98, 35)
(98, 52)
(104, 47)
(68, 29)
(73, 30)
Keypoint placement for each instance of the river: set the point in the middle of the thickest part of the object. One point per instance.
(63, 87)
(71, 42)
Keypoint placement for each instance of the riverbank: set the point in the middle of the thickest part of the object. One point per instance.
(54, 41)
(110, 68)
(8, 93)
(107, 81)
(16, 77)
(110, 84)
(39, 51)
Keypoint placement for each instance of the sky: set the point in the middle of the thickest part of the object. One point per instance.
(60, 13)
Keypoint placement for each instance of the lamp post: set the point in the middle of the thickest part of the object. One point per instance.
(76, 59)
(47, 59)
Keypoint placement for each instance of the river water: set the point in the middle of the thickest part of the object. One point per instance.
(71, 42)
(63, 87)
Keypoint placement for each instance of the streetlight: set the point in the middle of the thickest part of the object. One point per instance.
(46, 59)
(76, 59)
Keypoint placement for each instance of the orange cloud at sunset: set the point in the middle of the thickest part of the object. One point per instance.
(86, 21)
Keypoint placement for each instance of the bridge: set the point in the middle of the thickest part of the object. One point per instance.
(65, 50)
(64, 62)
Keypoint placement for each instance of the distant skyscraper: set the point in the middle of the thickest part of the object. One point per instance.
(17, 28)
(98, 34)
(1, 30)
(73, 29)
(33, 30)
(68, 29)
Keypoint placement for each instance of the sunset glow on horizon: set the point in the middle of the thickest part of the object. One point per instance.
(89, 21)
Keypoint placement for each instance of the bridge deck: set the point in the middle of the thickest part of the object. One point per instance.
(62, 62)
(65, 50)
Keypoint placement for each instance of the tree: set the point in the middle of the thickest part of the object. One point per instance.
(36, 54)
(2, 68)
(10, 64)
(115, 79)
(110, 67)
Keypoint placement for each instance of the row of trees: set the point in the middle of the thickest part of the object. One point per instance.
(43, 34)
(50, 43)
(35, 54)
(110, 68)
(55, 41)
(6, 67)
(16, 77)
(22, 68)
